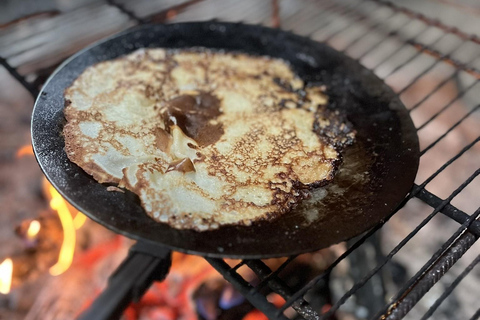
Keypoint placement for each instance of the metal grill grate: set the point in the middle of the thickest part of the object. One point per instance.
(402, 47)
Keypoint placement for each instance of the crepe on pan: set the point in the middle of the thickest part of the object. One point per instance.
(204, 138)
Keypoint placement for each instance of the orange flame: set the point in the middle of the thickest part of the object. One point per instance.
(33, 229)
(6, 269)
(26, 150)
(69, 237)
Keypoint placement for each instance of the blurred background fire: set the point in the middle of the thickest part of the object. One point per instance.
(55, 261)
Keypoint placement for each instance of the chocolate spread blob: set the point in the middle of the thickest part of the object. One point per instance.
(195, 115)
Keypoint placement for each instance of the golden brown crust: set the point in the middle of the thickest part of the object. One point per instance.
(204, 138)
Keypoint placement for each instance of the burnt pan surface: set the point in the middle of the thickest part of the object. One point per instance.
(377, 173)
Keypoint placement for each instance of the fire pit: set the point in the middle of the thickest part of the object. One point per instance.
(396, 268)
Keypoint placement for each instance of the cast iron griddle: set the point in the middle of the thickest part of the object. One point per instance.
(377, 173)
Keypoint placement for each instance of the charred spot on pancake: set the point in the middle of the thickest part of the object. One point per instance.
(205, 138)
(334, 127)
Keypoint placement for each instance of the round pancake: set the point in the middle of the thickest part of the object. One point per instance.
(204, 138)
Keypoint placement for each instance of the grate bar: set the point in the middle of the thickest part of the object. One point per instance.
(274, 274)
(359, 18)
(449, 210)
(447, 58)
(399, 49)
(428, 277)
(277, 285)
(320, 278)
(446, 164)
(33, 91)
(341, 10)
(307, 19)
(129, 13)
(448, 254)
(468, 114)
(441, 57)
(429, 21)
(413, 57)
(254, 297)
(402, 243)
(476, 316)
(450, 288)
(163, 16)
(438, 208)
(448, 105)
(378, 43)
(371, 27)
(437, 87)
(45, 26)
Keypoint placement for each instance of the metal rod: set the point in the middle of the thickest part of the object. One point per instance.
(450, 288)
(387, 36)
(359, 17)
(448, 105)
(476, 316)
(435, 89)
(127, 12)
(433, 65)
(432, 262)
(439, 85)
(452, 250)
(449, 210)
(163, 16)
(448, 59)
(145, 264)
(399, 49)
(397, 248)
(468, 114)
(56, 22)
(446, 164)
(370, 27)
(301, 306)
(431, 22)
(344, 11)
(253, 296)
(274, 274)
(429, 278)
(310, 15)
(413, 57)
(320, 278)
(33, 91)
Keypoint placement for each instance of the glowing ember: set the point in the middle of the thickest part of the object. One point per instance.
(6, 269)
(68, 246)
(33, 229)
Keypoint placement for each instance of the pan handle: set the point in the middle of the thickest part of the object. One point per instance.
(145, 264)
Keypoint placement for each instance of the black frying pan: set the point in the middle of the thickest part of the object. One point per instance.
(377, 172)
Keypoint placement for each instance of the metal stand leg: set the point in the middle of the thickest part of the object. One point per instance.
(145, 264)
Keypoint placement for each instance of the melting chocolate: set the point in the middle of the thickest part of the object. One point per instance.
(183, 165)
(162, 139)
(193, 113)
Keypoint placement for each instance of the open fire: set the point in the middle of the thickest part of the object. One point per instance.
(192, 290)
(6, 276)
(70, 221)
(33, 229)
